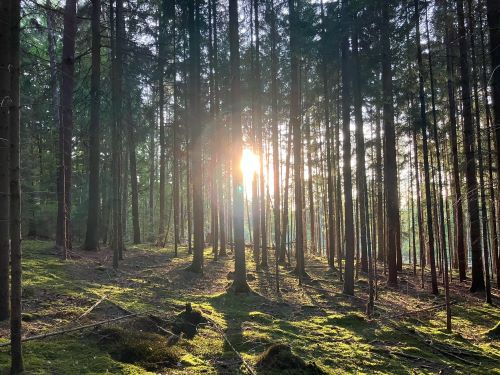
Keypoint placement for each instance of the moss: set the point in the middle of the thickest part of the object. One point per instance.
(279, 359)
(149, 350)
(494, 333)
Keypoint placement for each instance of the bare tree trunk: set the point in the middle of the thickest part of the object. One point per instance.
(295, 123)
(133, 175)
(4, 158)
(468, 142)
(493, 8)
(92, 234)
(390, 161)
(346, 121)
(275, 139)
(425, 150)
(360, 154)
(63, 235)
(196, 135)
(240, 275)
(116, 133)
(16, 353)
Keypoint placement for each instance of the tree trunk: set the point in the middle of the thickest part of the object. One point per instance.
(260, 145)
(116, 133)
(468, 143)
(162, 50)
(390, 160)
(295, 123)
(196, 135)
(360, 154)
(425, 151)
(16, 354)
(92, 235)
(133, 175)
(240, 276)
(493, 8)
(4, 158)
(275, 135)
(63, 235)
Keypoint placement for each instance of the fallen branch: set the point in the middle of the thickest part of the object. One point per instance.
(89, 310)
(221, 332)
(75, 329)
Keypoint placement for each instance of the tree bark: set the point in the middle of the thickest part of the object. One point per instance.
(240, 276)
(4, 157)
(92, 234)
(469, 151)
(16, 354)
(390, 160)
(63, 234)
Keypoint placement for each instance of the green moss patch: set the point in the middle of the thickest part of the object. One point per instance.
(149, 350)
(279, 359)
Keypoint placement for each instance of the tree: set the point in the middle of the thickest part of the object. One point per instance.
(16, 353)
(4, 158)
(196, 131)
(360, 152)
(92, 235)
(295, 124)
(240, 276)
(275, 133)
(346, 132)
(63, 235)
(116, 130)
(470, 158)
(390, 162)
(425, 151)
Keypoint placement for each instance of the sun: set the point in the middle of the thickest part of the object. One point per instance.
(250, 167)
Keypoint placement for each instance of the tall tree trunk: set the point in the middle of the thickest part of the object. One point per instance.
(346, 132)
(275, 135)
(162, 51)
(492, 192)
(468, 142)
(92, 234)
(360, 154)
(240, 276)
(196, 134)
(295, 122)
(284, 225)
(310, 192)
(425, 151)
(390, 160)
(16, 354)
(116, 133)
(477, 117)
(4, 158)
(63, 235)
(175, 138)
(133, 175)
(459, 224)
(260, 140)
(493, 8)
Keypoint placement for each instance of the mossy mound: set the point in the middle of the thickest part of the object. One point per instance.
(148, 350)
(187, 322)
(279, 359)
(494, 333)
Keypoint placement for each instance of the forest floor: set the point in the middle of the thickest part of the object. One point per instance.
(406, 334)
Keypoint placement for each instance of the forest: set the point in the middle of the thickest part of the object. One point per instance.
(254, 187)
